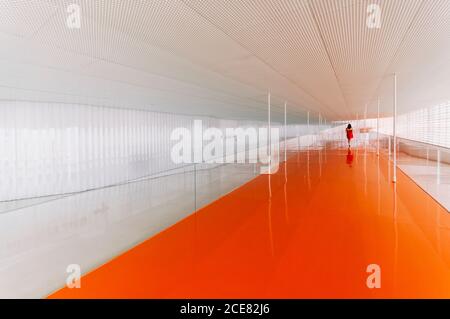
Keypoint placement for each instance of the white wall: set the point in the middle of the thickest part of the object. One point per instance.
(429, 125)
(57, 148)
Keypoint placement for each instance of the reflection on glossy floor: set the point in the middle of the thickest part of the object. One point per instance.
(331, 214)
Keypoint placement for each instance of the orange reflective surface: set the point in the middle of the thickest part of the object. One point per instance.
(331, 214)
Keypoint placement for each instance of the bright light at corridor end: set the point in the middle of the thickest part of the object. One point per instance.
(234, 158)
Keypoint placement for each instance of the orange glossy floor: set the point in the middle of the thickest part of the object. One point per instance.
(330, 216)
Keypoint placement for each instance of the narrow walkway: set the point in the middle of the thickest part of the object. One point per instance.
(330, 216)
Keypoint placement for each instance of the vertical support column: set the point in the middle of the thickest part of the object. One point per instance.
(438, 167)
(269, 141)
(285, 149)
(358, 129)
(366, 134)
(365, 115)
(307, 121)
(320, 129)
(308, 127)
(378, 127)
(389, 147)
(195, 187)
(394, 179)
(285, 132)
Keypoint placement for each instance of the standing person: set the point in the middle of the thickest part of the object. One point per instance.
(349, 132)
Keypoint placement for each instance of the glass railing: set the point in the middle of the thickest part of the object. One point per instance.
(427, 164)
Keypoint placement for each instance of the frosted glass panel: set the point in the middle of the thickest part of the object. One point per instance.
(55, 148)
(429, 125)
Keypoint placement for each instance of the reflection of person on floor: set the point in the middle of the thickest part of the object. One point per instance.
(349, 132)
(349, 157)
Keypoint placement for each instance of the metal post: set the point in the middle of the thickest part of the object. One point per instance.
(378, 127)
(320, 129)
(270, 145)
(308, 122)
(438, 167)
(366, 134)
(358, 128)
(395, 129)
(269, 137)
(195, 187)
(308, 128)
(365, 116)
(389, 147)
(285, 132)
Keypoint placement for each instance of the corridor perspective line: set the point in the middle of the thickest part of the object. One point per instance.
(331, 215)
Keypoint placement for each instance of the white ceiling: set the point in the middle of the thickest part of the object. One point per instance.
(220, 57)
